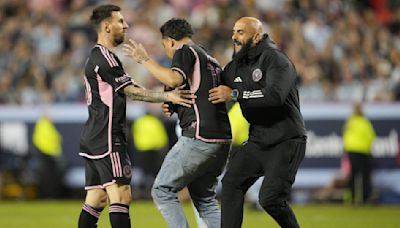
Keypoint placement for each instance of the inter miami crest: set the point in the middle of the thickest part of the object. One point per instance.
(257, 75)
(127, 170)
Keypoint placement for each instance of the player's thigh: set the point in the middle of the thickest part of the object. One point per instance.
(119, 194)
(96, 198)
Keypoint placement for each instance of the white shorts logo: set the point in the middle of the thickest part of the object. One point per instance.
(257, 75)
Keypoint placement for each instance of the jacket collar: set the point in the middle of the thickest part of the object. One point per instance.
(260, 47)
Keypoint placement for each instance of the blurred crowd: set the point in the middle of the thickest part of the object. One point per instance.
(344, 50)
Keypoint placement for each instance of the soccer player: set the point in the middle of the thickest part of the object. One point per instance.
(200, 154)
(263, 80)
(103, 140)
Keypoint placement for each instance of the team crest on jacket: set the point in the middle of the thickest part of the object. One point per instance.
(257, 75)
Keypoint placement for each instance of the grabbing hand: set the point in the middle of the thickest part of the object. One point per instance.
(165, 110)
(136, 51)
(220, 94)
(181, 97)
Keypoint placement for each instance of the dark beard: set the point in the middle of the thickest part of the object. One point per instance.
(243, 51)
(118, 40)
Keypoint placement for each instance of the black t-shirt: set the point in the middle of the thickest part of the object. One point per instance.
(106, 125)
(201, 72)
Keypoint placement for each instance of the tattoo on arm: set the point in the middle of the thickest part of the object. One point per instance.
(148, 96)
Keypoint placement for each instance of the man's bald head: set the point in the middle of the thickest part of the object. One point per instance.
(247, 30)
(252, 23)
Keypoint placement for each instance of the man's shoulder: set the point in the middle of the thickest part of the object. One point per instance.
(194, 48)
(229, 65)
(103, 57)
(275, 56)
(274, 53)
(184, 47)
(96, 55)
(95, 51)
(185, 50)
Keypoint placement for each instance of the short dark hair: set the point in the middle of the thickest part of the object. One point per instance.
(102, 12)
(177, 29)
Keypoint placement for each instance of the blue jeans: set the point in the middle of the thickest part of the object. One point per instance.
(196, 165)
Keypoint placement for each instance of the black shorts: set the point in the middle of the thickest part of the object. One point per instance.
(114, 168)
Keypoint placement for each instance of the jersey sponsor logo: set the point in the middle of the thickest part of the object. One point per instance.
(252, 94)
(257, 75)
(123, 78)
(237, 79)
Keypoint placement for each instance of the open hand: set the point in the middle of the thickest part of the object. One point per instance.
(136, 51)
(181, 97)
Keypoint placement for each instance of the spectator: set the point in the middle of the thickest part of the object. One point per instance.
(358, 137)
(48, 143)
(335, 190)
(303, 29)
(150, 138)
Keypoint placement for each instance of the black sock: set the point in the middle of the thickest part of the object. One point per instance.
(89, 217)
(119, 215)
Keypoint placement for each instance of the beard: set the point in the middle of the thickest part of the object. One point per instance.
(119, 40)
(243, 51)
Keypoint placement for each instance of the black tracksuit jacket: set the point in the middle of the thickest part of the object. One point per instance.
(267, 84)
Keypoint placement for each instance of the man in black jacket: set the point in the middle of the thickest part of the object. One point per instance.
(263, 80)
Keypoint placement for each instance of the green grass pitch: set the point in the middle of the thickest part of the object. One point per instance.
(64, 214)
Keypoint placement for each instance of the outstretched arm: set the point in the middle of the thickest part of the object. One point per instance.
(165, 75)
(177, 96)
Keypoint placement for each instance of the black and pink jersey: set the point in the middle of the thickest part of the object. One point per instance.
(106, 126)
(201, 72)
